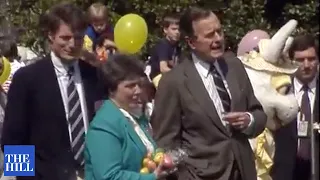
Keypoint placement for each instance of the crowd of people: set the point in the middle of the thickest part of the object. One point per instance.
(95, 113)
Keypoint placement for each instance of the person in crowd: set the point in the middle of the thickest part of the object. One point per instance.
(166, 52)
(118, 138)
(148, 96)
(26, 54)
(3, 102)
(11, 53)
(206, 105)
(99, 26)
(102, 50)
(51, 102)
(3, 98)
(293, 143)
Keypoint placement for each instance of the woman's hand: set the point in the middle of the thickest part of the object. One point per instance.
(161, 172)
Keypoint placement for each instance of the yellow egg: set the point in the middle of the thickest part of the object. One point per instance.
(144, 170)
(158, 157)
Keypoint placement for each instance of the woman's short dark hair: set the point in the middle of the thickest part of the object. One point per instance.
(120, 67)
(303, 42)
(192, 14)
(66, 13)
(9, 49)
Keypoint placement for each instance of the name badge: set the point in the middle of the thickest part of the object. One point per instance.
(303, 128)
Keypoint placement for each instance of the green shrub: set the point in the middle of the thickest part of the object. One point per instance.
(237, 16)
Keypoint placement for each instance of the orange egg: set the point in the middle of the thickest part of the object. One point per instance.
(145, 162)
(151, 166)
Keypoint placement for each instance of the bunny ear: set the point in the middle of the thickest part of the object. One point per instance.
(278, 41)
(287, 45)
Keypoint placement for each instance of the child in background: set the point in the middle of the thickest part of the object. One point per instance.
(3, 102)
(166, 52)
(149, 92)
(11, 53)
(99, 26)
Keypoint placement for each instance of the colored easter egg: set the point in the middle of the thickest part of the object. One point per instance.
(167, 162)
(151, 166)
(145, 162)
(144, 170)
(158, 157)
(159, 150)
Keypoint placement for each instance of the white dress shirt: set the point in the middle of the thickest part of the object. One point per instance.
(208, 81)
(298, 92)
(62, 77)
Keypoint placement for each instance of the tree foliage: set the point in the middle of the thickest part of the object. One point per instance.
(237, 16)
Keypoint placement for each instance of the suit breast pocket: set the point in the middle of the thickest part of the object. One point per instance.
(190, 104)
(239, 100)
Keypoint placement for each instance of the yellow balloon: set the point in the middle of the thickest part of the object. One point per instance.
(6, 70)
(130, 33)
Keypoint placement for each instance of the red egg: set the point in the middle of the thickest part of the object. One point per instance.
(167, 162)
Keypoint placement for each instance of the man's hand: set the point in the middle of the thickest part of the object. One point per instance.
(238, 120)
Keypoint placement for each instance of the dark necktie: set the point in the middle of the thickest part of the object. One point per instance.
(75, 119)
(304, 150)
(222, 91)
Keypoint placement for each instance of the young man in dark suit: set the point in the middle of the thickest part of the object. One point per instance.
(51, 102)
(206, 105)
(293, 144)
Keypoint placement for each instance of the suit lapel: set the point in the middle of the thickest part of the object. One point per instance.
(197, 89)
(316, 103)
(88, 84)
(49, 75)
(134, 136)
(128, 125)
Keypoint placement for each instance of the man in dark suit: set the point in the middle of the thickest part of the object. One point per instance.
(51, 102)
(292, 159)
(207, 106)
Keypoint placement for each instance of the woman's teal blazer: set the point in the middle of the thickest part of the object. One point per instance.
(113, 150)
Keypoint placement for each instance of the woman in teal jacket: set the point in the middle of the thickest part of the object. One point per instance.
(118, 139)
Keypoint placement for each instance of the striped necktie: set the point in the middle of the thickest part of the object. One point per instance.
(222, 91)
(75, 119)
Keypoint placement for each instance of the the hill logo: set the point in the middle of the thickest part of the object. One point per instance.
(19, 160)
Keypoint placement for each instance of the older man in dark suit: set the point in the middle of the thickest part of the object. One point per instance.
(51, 102)
(207, 105)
